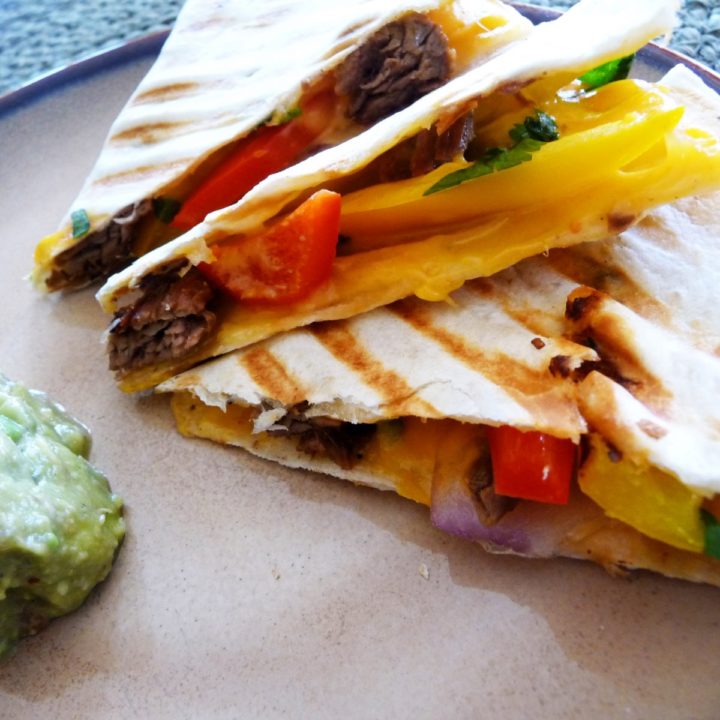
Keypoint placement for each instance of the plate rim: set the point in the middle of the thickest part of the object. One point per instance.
(135, 49)
(151, 44)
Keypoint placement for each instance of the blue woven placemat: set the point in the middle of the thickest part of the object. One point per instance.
(39, 36)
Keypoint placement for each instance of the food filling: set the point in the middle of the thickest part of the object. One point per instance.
(398, 64)
(480, 482)
(99, 253)
(524, 170)
(342, 442)
(172, 317)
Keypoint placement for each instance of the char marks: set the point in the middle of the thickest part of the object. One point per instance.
(272, 376)
(338, 338)
(502, 369)
(149, 133)
(587, 266)
(139, 174)
(165, 93)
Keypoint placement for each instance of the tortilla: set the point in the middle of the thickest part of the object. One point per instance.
(227, 68)
(572, 191)
(609, 341)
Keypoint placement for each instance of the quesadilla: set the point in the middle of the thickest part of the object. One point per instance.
(244, 88)
(273, 261)
(563, 407)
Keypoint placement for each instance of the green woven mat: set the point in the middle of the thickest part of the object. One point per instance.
(39, 36)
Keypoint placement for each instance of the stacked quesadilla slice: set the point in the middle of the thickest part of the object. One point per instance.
(244, 88)
(552, 163)
(563, 407)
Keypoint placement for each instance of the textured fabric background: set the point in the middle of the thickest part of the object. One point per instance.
(37, 36)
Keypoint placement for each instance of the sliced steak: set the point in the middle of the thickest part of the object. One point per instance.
(101, 253)
(400, 63)
(342, 442)
(427, 150)
(167, 322)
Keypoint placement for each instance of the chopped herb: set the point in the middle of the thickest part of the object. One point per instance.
(541, 127)
(10, 428)
(80, 223)
(165, 209)
(291, 114)
(528, 137)
(712, 534)
(609, 72)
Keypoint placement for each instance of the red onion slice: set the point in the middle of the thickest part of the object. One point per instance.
(453, 510)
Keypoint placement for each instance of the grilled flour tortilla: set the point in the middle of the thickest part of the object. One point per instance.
(292, 75)
(608, 344)
(622, 150)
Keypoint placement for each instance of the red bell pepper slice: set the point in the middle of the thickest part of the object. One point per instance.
(268, 150)
(531, 465)
(712, 505)
(286, 262)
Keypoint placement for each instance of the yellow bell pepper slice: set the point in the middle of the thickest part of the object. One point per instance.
(560, 169)
(433, 267)
(651, 501)
(575, 113)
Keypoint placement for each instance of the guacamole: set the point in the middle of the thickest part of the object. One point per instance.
(60, 524)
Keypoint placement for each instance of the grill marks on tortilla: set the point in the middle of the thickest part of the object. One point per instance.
(151, 133)
(164, 93)
(342, 442)
(594, 321)
(586, 266)
(546, 400)
(500, 368)
(398, 396)
(140, 174)
(272, 376)
(156, 133)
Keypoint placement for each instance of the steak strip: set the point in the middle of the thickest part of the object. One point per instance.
(101, 253)
(167, 322)
(400, 63)
(425, 151)
(342, 442)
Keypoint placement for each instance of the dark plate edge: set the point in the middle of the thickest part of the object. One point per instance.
(146, 45)
(652, 52)
(152, 43)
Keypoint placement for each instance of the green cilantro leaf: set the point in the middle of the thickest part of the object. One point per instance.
(541, 127)
(165, 208)
(80, 223)
(609, 72)
(291, 114)
(528, 137)
(712, 534)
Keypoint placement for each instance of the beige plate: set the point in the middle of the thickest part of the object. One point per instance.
(246, 590)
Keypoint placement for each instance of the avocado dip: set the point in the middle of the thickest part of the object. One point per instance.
(60, 524)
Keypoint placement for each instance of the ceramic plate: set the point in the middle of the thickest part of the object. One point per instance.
(247, 590)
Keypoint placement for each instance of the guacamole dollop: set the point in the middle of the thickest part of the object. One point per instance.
(60, 524)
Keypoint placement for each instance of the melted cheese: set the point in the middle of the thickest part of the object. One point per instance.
(410, 455)
(402, 453)
(657, 157)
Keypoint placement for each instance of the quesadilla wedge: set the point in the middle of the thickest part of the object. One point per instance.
(563, 407)
(244, 88)
(273, 262)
